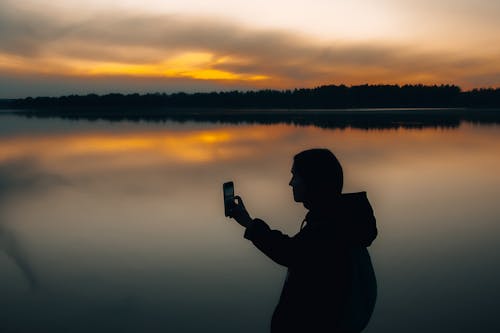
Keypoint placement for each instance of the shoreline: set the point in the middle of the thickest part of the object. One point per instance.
(376, 118)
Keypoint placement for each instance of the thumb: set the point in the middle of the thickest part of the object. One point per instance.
(239, 201)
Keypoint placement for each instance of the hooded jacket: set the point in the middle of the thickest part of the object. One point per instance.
(317, 289)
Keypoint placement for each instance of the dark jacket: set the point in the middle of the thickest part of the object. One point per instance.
(316, 289)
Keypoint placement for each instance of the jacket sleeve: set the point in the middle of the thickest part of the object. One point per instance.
(273, 243)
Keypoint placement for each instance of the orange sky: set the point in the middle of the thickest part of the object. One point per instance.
(98, 46)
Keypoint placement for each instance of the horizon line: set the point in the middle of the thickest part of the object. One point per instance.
(259, 90)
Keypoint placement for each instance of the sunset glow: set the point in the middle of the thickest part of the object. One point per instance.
(72, 47)
(189, 65)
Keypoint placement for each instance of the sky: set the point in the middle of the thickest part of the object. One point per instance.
(100, 46)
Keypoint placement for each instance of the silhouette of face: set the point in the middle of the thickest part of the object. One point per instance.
(298, 186)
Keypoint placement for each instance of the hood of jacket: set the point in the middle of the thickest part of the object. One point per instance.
(351, 217)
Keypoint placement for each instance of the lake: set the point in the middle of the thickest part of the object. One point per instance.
(119, 225)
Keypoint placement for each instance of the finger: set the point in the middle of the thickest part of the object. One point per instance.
(239, 201)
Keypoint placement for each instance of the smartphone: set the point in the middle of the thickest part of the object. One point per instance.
(228, 191)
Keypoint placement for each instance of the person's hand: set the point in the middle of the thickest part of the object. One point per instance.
(238, 212)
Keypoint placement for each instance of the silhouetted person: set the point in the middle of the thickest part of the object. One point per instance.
(330, 284)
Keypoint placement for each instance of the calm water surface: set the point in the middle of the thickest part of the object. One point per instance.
(122, 224)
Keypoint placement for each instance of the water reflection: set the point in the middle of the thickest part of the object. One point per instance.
(124, 223)
(323, 118)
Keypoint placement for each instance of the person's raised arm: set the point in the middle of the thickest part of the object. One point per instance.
(273, 243)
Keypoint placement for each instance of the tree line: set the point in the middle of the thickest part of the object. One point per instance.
(323, 97)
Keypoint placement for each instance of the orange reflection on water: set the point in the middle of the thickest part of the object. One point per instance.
(80, 151)
(188, 146)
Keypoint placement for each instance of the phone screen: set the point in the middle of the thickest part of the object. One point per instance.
(228, 190)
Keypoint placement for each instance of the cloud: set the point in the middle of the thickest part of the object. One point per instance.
(114, 44)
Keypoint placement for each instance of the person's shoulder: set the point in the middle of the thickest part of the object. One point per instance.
(360, 223)
(354, 197)
(355, 202)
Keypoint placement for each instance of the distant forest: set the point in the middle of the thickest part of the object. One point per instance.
(323, 97)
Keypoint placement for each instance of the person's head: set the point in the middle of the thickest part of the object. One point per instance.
(316, 176)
